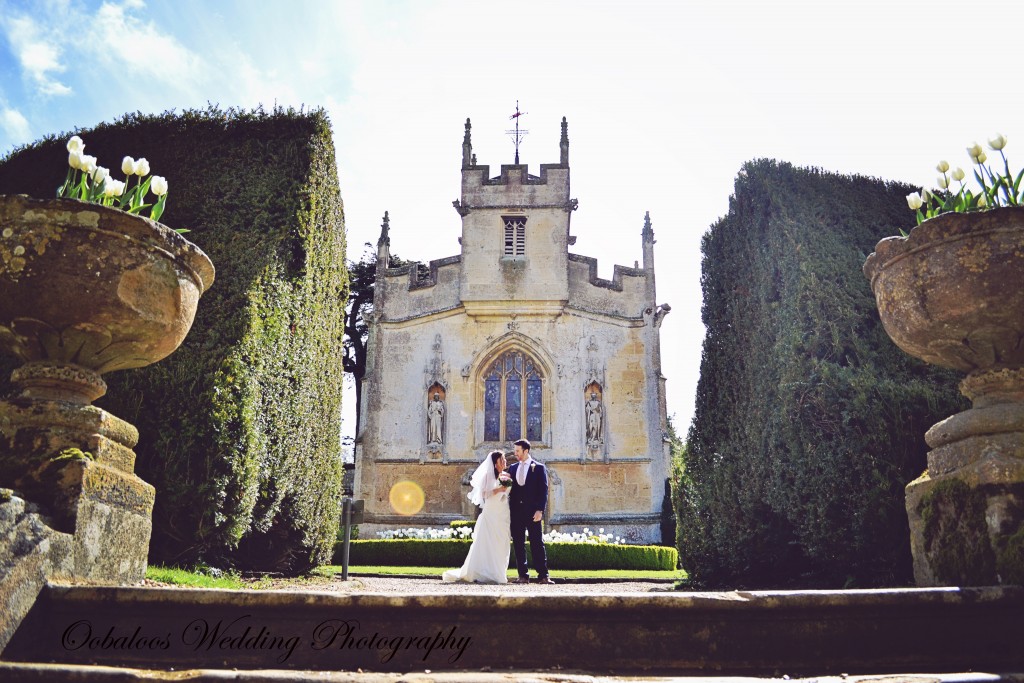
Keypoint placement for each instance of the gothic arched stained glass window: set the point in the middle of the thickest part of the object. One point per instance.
(513, 398)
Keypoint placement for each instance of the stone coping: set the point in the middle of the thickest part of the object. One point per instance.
(710, 600)
(45, 673)
(760, 633)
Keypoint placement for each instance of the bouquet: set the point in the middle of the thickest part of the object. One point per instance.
(504, 479)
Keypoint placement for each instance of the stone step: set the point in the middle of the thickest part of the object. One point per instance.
(47, 673)
(768, 633)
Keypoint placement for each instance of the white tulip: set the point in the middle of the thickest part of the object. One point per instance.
(926, 196)
(974, 150)
(75, 160)
(958, 173)
(914, 201)
(75, 144)
(127, 165)
(89, 163)
(980, 159)
(100, 175)
(998, 142)
(943, 166)
(159, 185)
(982, 202)
(141, 168)
(943, 182)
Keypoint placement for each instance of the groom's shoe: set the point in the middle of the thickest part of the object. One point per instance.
(545, 580)
(522, 579)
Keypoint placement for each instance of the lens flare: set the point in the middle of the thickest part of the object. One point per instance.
(406, 498)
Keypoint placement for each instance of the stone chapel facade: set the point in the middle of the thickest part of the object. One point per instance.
(515, 337)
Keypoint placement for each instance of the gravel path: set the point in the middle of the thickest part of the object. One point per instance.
(374, 584)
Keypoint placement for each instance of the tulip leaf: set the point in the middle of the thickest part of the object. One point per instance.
(158, 208)
(69, 182)
(981, 181)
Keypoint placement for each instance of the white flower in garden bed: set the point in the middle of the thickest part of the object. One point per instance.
(465, 532)
(427, 534)
(585, 536)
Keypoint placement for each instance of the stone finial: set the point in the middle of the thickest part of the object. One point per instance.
(467, 148)
(384, 239)
(564, 143)
(648, 231)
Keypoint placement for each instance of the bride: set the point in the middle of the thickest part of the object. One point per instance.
(487, 560)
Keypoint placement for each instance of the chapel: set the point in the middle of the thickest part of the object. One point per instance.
(515, 337)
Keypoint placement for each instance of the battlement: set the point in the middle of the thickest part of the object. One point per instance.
(618, 272)
(525, 177)
(515, 188)
(624, 296)
(415, 290)
(420, 276)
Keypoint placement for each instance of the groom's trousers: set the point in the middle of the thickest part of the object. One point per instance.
(519, 529)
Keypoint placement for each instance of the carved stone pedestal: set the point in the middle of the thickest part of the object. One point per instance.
(77, 510)
(76, 462)
(967, 511)
(84, 289)
(950, 294)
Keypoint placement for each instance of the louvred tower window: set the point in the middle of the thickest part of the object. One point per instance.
(515, 235)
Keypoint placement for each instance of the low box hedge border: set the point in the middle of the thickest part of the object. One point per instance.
(452, 553)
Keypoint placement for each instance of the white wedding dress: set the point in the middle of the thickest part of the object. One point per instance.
(487, 560)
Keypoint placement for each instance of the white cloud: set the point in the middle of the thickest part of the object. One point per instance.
(38, 52)
(140, 47)
(113, 40)
(14, 124)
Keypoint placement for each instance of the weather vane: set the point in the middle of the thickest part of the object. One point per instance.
(517, 135)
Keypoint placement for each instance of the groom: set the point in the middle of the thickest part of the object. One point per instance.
(527, 500)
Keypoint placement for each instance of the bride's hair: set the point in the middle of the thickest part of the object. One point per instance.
(494, 461)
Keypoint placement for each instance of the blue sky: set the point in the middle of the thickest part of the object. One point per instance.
(665, 101)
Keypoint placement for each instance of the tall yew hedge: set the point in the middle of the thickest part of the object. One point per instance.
(240, 426)
(809, 421)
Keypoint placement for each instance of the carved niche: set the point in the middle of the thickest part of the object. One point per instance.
(435, 381)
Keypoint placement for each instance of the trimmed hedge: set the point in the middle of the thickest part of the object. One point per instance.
(239, 427)
(416, 552)
(809, 421)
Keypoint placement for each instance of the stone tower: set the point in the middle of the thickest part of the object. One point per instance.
(515, 337)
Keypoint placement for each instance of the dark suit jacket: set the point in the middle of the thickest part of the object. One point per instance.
(533, 495)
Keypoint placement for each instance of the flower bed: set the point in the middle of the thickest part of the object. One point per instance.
(464, 530)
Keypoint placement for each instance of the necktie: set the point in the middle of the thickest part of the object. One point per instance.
(521, 474)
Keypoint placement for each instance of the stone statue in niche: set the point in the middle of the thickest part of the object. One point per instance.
(595, 418)
(435, 421)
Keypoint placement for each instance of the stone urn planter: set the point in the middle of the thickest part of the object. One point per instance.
(85, 289)
(952, 294)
